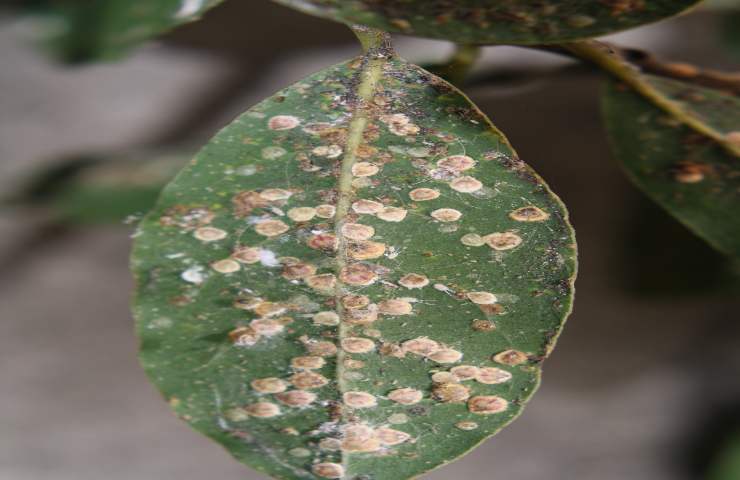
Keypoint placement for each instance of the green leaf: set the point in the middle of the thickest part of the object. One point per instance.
(107, 29)
(523, 22)
(353, 240)
(727, 464)
(692, 176)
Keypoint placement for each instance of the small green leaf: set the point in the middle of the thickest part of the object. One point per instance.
(107, 29)
(358, 278)
(522, 22)
(694, 177)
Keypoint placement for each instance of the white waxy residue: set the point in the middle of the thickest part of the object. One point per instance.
(189, 8)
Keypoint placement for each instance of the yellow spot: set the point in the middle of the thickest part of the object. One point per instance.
(275, 194)
(456, 163)
(492, 376)
(326, 211)
(529, 214)
(481, 298)
(296, 398)
(365, 250)
(466, 185)
(247, 254)
(271, 228)
(283, 122)
(414, 280)
(446, 355)
(487, 404)
(359, 400)
(308, 380)
(420, 346)
(226, 266)
(269, 385)
(357, 231)
(369, 207)
(450, 392)
(395, 307)
(503, 241)
(392, 214)
(301, 214)
(511, 357)
(364, 169)
(390, 437)
(326, 318)
(263, 410)
(328, 470)
(465, 372)
(473, 240)
(209, 234)
(423, 194)
(307, 363)
(357, 345)
(446, 215)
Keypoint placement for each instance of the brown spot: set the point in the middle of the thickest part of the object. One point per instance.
(395, 306)
(209, 234)
(327, 242)
(321, 348)
(689, 172)
(364, 169)
(266, 326)
(392, 350)
(226, 266)
(275, 194)
(369, 207)
(301, 214)
(328, 470)
(414, 280)
(357, 345)
(466, 184)
(481, 298)
(326, 318)
(365, 250)
(359, 400)
(310, 362)
(511, 357)
(358, 274)
(450, 392)
(684, 70)
(359, 438)
(492, 375)
(247, 303)
(283, 122)
(465, 372)
(529, 214)
(269, 385)
(423, 194)
(444, 377)
(473, 240)
(329, 151)
(456, 163)
(357, 231)
(244, 336)
(326, 211)
(392, 214)
(271, 228)
(331, 444)
(466, 425)
(263, 410)
(361, 316)
(487, 404)
(247, 254)
(297, 271)
(308, 380)
(503, 240)
(446, 355)
(186, 217)
(296, 398)
(245, 202)
(406, 396)
(353, 364)
(446, 215)
(353, 302)
(390, 437)
(324, 283)
(420, 346)
(269, 309)
(483, 325)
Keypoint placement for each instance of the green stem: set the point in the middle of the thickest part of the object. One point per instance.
(608, 60)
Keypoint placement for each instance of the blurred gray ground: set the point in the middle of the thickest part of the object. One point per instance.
(632, 381)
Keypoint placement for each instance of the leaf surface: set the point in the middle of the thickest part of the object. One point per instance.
(356, 278)
(692, 176)
(496, 21)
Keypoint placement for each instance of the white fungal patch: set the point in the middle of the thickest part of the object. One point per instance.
(406, 396)
(466, 184)
(226, 266)
(446, 215)
(473, 240)
(465, 372)
(296, 398)
(271, 228)
(364, 169)
(357, 231)
(263, 410)
(357, 345)
(390, 437)
(189, 8)
(423, 194)
(487, 404)
(329, 151)
(395, 306)
(503, 240)
(326, 211)
(529, 214)
(456, 163)
(482, 298)
(308, 380)
(392, 214)
(420, 346)
(359, 400)
(414, 280)
(309, 362)
(301, 214)
(446, 355)
(328, 470)
(194, 275)
(209, 234)
(368, 207)
(269, 385)
(492, 375)
(283, 122)
(326, 318)
(511, 357)
(247, 254)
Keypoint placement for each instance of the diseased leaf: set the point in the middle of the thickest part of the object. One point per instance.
(496, 21)
(106, 29)
(692, 176)
(358, 278)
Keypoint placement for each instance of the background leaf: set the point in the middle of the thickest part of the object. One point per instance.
(357, 277)
(496, 21)
(690, 175)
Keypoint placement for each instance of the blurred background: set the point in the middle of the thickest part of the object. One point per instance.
(645, 383)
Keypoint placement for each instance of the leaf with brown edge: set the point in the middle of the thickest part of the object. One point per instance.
(298, 304)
